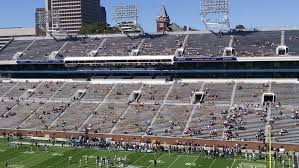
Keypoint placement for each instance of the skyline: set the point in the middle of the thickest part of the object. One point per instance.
(267, 13)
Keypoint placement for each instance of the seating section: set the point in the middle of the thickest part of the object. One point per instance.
(122, 92)
(15, 46)
(6, 86)
(119, 46)
(45, 116)
(161, 44)
(229, 110)
(20, 89)
(68, 91)
(154, 93)
(216, 93)
(96, 92)
(171, 120)
(200, 45)
(105, 117)
(182, 92)
(45, 90)
(80, 48)
(292, 41)
(137, 119)
(249, 44)
(257, 43)
(74, 116)
(287, 94)
(208, 122)
(41, 49)
(14, 117)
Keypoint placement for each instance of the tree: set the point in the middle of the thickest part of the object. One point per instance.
(96, 28)
(240, 27)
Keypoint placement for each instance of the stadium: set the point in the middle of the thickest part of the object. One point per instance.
(202, 99)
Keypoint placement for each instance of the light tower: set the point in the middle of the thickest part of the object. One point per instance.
(215, 14)
(126, 17)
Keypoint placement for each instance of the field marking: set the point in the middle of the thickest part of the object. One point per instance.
(65, 158)
(51, 156)
(194, 161)
(250, 165)
(174, 161)
(157, 159)
(138, 159)
(75, 164)
(212, 163)
(233, 163)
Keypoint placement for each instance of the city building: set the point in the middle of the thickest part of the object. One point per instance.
(39, 24)
(163, 22)
(71, 15)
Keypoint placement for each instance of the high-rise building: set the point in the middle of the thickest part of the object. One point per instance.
(39, 24)
(73, 14)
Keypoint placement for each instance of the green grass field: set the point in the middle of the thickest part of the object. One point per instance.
(57, 157)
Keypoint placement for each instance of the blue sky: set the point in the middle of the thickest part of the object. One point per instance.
(251, 13)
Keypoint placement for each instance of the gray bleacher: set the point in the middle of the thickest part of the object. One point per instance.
(218, 93)
(20, 89)
(171, 120)
(74, 116)
(244, 117)
(41, 49)
(137, 119)
(5, 106)
(5, 86)
(15, 46)
(283, 119)
(105, 117)
(262, 43)
(292, 41)
(45, 90)
(153, 93)
(207, 122)
(122, 92)
(161, 44)
(96, 92)
(80, 48)
(247, 121)
(45, 116)
(119, 46)
(68, 90)
(287, 94)
(182, 92)
(249, 93)
(14, 117)
(206, 45)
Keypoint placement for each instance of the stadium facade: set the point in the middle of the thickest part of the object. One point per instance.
(255, 53)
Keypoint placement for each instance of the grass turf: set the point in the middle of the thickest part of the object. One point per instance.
(57, 157)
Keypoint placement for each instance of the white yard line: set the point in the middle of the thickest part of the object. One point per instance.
(157, 159)
(174, 161)
(212, 163)
(138, 159)
(233, 163)
(195, 160)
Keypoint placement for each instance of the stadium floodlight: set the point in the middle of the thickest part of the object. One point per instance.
(126, 17)
(125, 13)
(215, 14)
(49, 21)
(48, 17)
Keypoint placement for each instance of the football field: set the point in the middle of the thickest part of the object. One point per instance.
(58, 157)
